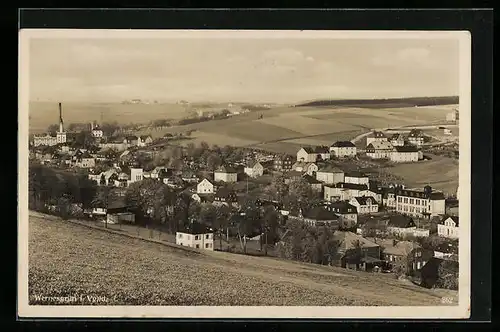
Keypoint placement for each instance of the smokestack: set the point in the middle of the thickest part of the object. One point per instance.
(61, 123)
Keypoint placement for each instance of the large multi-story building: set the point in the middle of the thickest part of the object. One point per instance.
(425, 202)
(50, 139)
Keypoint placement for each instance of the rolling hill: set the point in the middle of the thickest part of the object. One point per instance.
(66, 258)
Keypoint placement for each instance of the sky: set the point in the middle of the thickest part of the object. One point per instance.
(246, 70)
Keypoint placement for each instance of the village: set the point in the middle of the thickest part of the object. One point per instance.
(254, 202)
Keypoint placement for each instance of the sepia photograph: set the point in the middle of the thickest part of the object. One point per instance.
(244, 174)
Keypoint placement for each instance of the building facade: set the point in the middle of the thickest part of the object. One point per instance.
(225, 174)
(448, 227)
(379, 150)
(343, 149)
(404, 154)
(205, 187)
(376, 136)
(424, 202)
(330, 175)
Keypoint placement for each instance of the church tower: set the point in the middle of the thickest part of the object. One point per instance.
(61, 135)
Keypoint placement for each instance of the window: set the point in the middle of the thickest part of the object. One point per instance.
(197, 246)
(207, 236)
(406, 200)
(196, 237)
(180, 236)
(207, 245)
(412, 201)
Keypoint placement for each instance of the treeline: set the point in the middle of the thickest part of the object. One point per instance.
(386, 103)
(48, 187)
(309, 244)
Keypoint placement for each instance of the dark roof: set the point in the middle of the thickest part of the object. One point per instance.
(252, 164)
(322, 149)
(196, 228)
(131, 138)
(427, 193)
(319, 213)
(225, 169)
(309, 149)
(400, 221)
(144, 136)
(415, 133)
(310, 179)
(454, 218)
(377, 134)
(224, 192)
(353, 186)
(343, 144)
(363, 199)
(356, 174)
(406, 148)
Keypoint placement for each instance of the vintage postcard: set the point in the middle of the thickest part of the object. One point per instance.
(244, 174)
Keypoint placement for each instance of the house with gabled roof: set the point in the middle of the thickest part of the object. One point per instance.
(343, 191)
(205, 187)
(405, 154)
(330, 175)
(144, 140)
(376, 136)
(448, 227)
(307, 154)
(341, 149)
(364, 204)
(225, 174)
(356, 252)
(254, 169)
(308, 168)
(319, 216)
(379, 150)
(416, 137)
(316, 185)
(398, 140)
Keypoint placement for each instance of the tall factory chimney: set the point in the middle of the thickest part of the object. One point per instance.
(61, 123)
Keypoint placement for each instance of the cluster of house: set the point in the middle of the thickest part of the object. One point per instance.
(397, 148)
(123, 143)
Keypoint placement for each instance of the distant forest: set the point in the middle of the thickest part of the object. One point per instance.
(385, 103)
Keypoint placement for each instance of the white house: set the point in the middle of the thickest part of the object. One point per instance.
(356, 178)
(379, 150)
(424, 202)
(144, 140)
(343, 149)
(307, 155)
(364, 204)
(343, 191)
(155, 173)
(404, 226)
(196, 236)
(136, 174)
(448, 227)
(404, 154)
(225, 174)
(205, 187)
(376, 136)
(330, 175)
(308, 168)
(254, 169)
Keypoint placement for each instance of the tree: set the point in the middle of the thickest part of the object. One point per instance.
(102, 181)
(222, 215)
(270, 225)
(53, 128)
(213, 161)
(151, 198)
(208, 214)
(278, 188)
(448, 275)
(101, 198)
(301, 189)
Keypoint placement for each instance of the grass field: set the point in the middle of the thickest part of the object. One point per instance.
(67, 259)
(441, 173)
